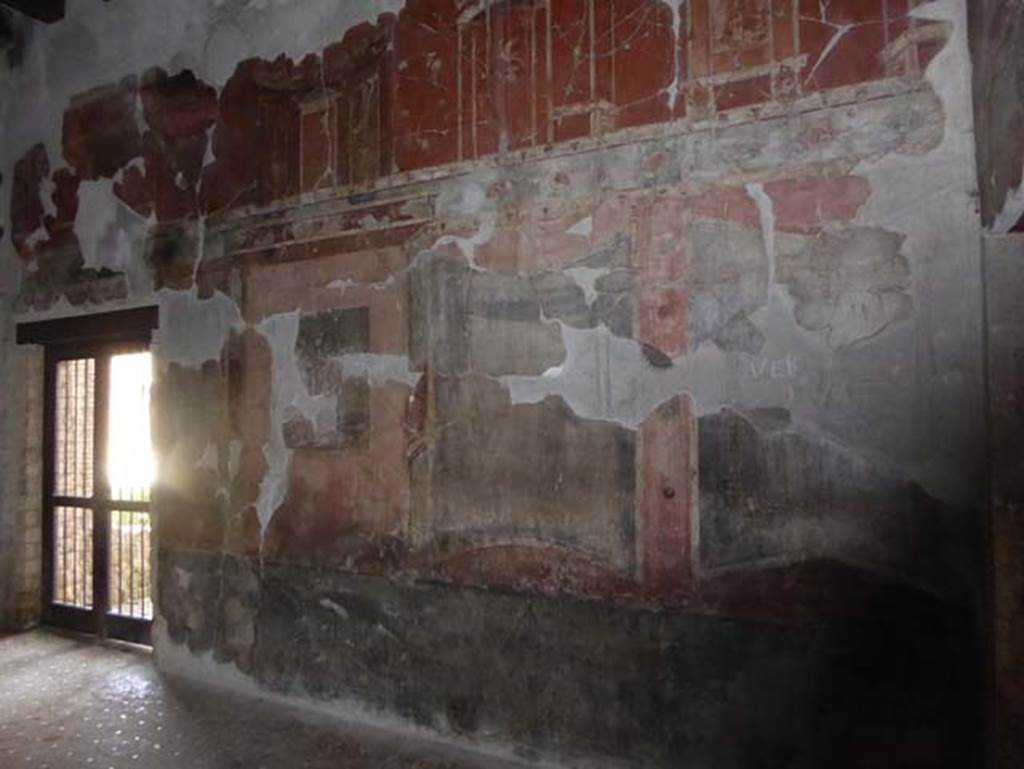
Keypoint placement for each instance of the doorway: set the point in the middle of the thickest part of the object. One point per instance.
(98, 473)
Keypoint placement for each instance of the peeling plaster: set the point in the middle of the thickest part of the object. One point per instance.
(586, 278)
(607, 377)
(584, 228)
(1011, 213)
(46, 190)
(604, 376)
(40, 235)
(109, 233)
(194, 330)
(930, 201)
(331, 606)
(210, 460)
(462, 198)
(766, 210)
(281, 333)
(379, 368)
(467, 246)
(209, 37)
(234, 458)
(677, 31)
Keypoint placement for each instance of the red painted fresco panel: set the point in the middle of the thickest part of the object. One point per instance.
(665, 477)
(641, 47)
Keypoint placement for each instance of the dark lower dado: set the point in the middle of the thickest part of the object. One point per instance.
(896, 687)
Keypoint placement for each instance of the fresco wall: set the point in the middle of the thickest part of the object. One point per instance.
(594, 377)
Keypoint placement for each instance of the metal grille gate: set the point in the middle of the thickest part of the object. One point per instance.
(97, 472)
(97, 563)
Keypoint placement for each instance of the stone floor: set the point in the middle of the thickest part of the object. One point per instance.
(69, 702)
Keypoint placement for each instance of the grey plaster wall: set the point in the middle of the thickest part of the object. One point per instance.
(1004, 264)
(997, 43)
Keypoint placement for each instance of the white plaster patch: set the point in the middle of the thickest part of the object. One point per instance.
(184, 578)
(200, 246)
(1013, 211)
(467, 246)
(586, 278)
(607, 377)
(334, 607)
(766, 211)
(208, 157)
(194, 330)
(464, 198)
(210, 460)
(46, 190)
(343, 284)
(138, 163)
(108, 231)
(281, 332)
(234, 458)
(677, 29)
(379, 368)
(38, 236)
(584, 228)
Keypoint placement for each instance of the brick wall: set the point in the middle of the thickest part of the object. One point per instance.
(20, 473)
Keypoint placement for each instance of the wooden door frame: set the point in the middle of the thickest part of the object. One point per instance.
(98, 337)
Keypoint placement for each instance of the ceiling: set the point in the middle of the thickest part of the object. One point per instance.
(43, 10)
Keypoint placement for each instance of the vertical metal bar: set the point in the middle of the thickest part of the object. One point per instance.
(49, 447)
(77, 489)
(64, 478)
(84, 559)
(79, 595)
(61, 556)
(131, 563)
(91, 442)
(83, 468)
(62, 438)
(145, 563)
(68, 513)
(90, 433)
(125, 589)
(80, 370)
(101, 515)
(120, 561)
(82, 464)
(115, 561)
(138, 582)
(83, 514)
(125, 575)
(69, 521)
(72, 434)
